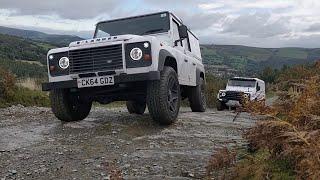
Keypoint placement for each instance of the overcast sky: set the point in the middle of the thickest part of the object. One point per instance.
(262, 23)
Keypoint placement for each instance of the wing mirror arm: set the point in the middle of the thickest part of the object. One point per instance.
(183, 34)
(177, 41)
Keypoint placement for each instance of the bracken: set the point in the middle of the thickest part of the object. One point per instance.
(286, 141)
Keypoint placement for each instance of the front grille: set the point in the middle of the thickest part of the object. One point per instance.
(96, 59)
(234, 95)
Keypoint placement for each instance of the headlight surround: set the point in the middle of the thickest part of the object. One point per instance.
(222, 94)
(64, 63)
(136, 54)
(246, 96)
(57, 64)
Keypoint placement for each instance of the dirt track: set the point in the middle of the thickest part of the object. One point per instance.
(35, 145)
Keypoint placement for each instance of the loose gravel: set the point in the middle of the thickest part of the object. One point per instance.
(35, 145)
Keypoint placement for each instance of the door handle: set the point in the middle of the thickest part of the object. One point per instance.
(185, 60)
(194, 64)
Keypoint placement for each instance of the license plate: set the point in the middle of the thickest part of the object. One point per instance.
(95, 81)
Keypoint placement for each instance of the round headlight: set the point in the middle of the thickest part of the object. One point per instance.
(223, 94)
(136, 54)
(247, 96)
(64, 63)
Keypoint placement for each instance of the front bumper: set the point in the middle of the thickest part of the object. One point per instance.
(120, 79)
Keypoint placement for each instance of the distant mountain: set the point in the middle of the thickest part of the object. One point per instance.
(249, 59)
(23, 45)
(58, 40)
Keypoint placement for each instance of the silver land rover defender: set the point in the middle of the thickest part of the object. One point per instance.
(151, 60)
(240, 90)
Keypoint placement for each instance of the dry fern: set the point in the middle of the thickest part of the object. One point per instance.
(292, 130)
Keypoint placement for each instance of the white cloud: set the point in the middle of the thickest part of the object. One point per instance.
(247, 22)
(257, 25)
(269, 4)
(69, 9)
(210, 6)
(46, 21)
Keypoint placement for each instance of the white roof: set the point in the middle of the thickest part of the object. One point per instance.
(248, 78)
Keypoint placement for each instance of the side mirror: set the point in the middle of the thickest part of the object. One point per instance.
(183, 32)
(258, 88)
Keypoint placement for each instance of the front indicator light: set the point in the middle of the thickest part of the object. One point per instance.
(52, 68)
(147, 57)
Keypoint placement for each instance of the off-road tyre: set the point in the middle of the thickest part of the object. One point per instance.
(68, 107)
(164, 98)
(221, 106)
(136, 107)
(197, 97)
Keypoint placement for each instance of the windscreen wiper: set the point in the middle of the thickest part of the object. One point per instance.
(152, 31)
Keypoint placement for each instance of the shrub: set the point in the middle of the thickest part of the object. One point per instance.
(219, 163)
(213, 85)
(7, 83)
(10, 94)
(27, 97)
(292, 131)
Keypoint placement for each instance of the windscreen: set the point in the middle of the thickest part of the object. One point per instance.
(143, 25)
(242, 83)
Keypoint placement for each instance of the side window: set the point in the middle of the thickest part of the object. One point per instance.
(258, 87)
(175, 30)
(195, 46)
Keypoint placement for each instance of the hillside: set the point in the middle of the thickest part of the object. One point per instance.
(23, 57)
(248, 59)
(58, 40)
(221, 60)
(15, 48)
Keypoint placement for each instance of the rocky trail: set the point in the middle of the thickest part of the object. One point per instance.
(35, 145)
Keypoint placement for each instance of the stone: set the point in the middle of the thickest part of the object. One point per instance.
(13, 172)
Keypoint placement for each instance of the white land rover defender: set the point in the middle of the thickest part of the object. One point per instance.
(239, 90)
(151, 60)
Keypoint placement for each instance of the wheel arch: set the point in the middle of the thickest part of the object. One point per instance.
(167, 59)
(200, 74)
